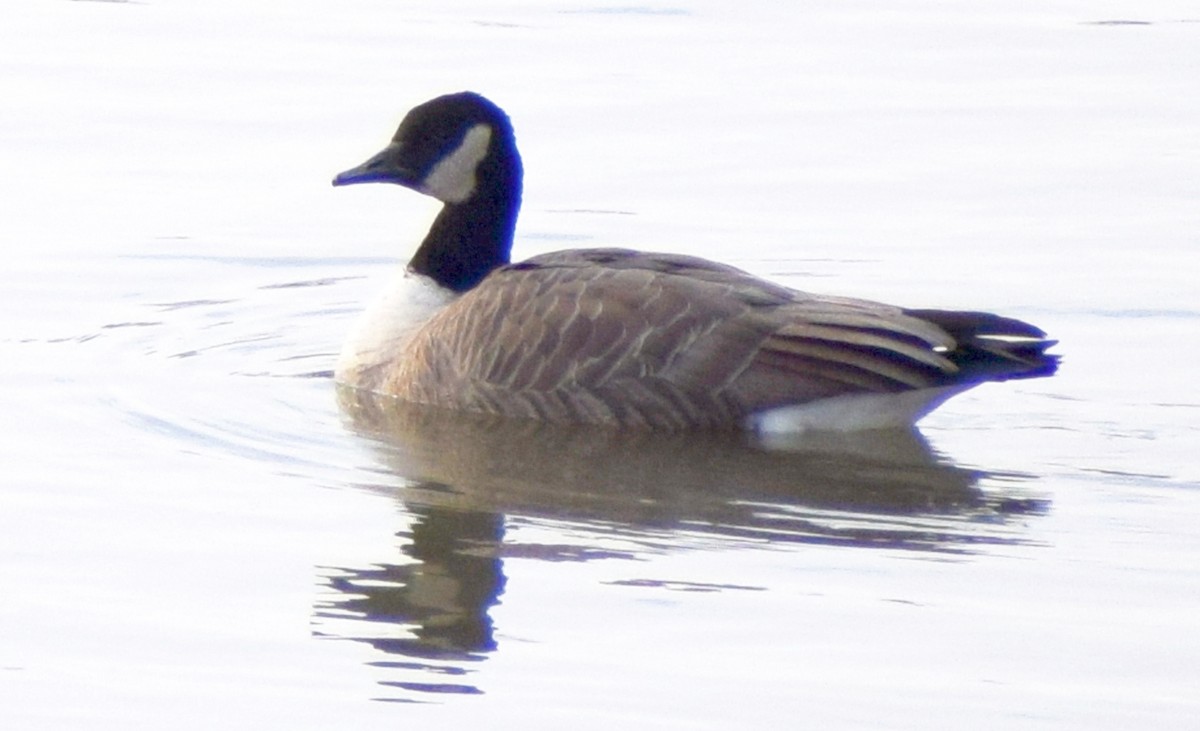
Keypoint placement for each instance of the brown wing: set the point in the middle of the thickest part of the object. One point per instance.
(658, 340)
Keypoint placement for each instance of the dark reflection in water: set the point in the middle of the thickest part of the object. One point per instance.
(442, 597)
(462, 477)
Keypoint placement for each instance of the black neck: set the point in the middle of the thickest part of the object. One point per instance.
(470, 239)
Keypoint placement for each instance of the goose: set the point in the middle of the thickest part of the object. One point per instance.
(634, 339)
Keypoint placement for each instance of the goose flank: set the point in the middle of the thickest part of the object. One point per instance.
(630, 338)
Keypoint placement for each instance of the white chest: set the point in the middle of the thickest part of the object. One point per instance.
(385, 327)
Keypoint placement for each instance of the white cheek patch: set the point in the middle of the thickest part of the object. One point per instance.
(452, 180)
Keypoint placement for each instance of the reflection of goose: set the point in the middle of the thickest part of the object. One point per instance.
(431, 613)
(622, 337)
(463, 477)
(870, 488)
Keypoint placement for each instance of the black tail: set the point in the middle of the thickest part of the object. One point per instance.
(991, 347)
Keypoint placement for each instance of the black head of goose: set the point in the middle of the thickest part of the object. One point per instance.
(631, 338)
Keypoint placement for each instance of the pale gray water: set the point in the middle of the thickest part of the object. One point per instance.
(193, 534)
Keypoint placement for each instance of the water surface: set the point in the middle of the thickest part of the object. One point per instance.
(198, 530)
